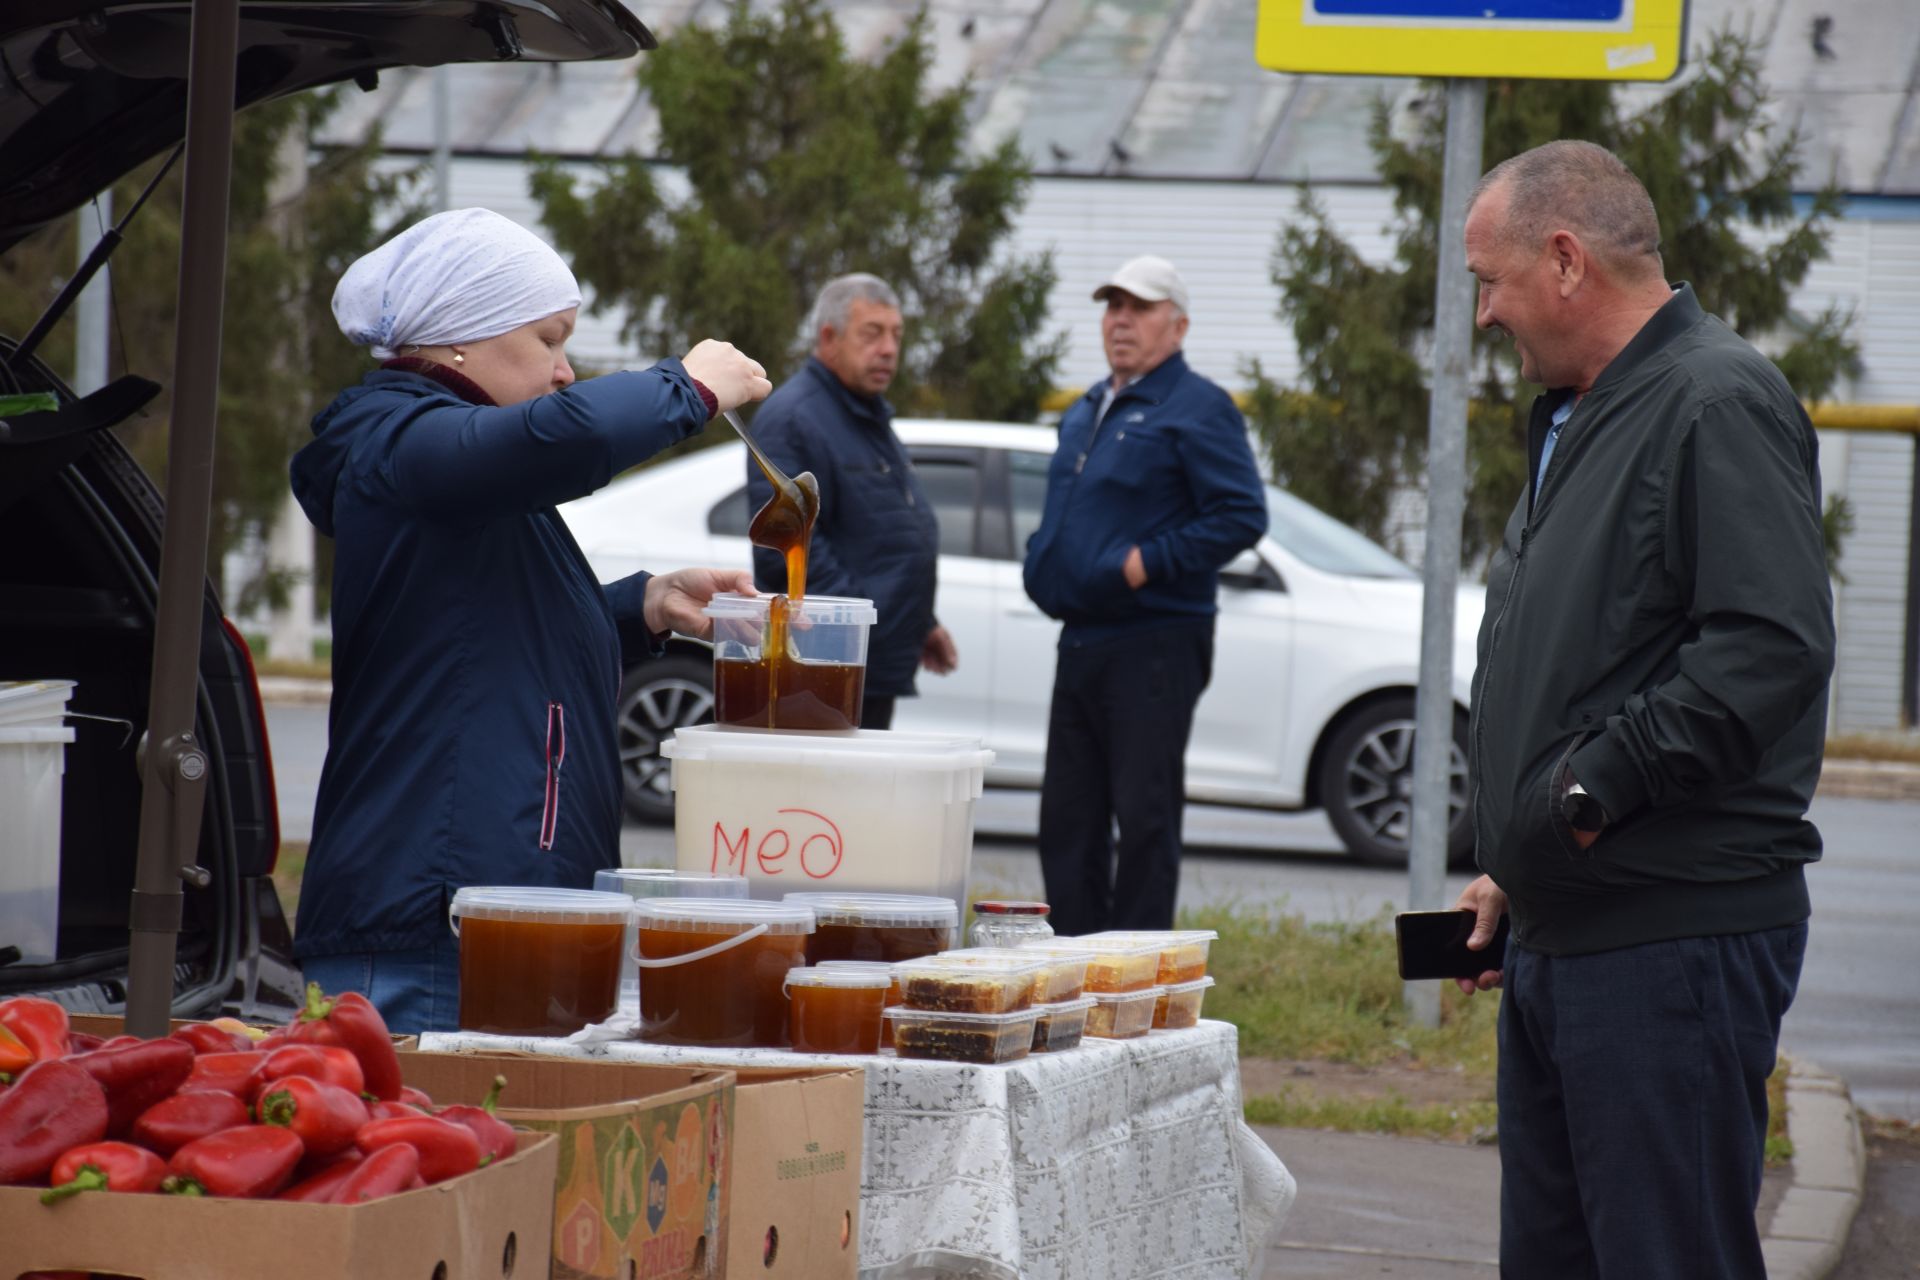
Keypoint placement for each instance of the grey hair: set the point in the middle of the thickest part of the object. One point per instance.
(836, 300)
(1580, 187)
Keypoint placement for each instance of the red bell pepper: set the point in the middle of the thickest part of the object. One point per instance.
(351, 1021)
(390, 1170)
(446, 1150)
(135, 1076)
(324, 1116)
(497, 1140)
(41, 1025)
(52, 1108)
(15, 1057)
(234, 1073)
(319, 1187)
(330, 1063)
(250, 1163)
(392, 1111)
(207, 1038)
(105, 1166)
(417, 1098)
(169, 1125)
(83, 1042)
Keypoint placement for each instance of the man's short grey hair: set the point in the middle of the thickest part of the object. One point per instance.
(1583, 188)
(836, 300)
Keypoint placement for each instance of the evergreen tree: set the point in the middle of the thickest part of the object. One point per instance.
(282, 357)
(1722, 178)
(802, 164)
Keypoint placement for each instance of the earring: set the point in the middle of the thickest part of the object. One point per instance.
(458, 358)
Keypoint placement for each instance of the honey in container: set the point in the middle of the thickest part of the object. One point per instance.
(895, 995)
(538, 962)
(781, 663)
(713, 971)
(835, 1009)
(878, 926)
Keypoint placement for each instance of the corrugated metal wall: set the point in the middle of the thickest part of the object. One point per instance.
(1222, 236)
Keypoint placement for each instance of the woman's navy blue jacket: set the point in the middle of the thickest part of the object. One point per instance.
(476, 660)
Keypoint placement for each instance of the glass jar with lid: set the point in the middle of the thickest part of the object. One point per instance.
(999, 922)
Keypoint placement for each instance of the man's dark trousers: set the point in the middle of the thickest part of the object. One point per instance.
(1116, 748)
(1633, 1106)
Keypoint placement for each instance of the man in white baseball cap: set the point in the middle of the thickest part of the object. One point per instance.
(1152, 490)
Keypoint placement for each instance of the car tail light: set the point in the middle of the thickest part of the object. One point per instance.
(266, 747)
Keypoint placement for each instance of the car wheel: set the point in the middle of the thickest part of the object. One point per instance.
(1366, 785)
(656, 698)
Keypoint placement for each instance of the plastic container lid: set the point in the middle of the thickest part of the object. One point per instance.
(993, 960)
(900, 1013)
(879, 910)
(1090, 945)
(663, 882)
(34, 703)
(1126, 997)
(1187, 988)
(1009, 907)
(1059, 1007)
(540, 906)
(814, 610)
(720, 915)
(846, 978)
(1149, 937)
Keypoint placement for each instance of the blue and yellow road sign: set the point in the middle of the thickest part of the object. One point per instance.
(1529, 39)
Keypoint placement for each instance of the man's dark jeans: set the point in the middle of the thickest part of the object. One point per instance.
(1116, 748)
(1633, 1106)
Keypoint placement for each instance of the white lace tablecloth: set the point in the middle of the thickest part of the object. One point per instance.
(1122, 1158)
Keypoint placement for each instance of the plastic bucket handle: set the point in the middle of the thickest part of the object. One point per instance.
(688, 957)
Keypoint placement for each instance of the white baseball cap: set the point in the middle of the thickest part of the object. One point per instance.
(1148, 278)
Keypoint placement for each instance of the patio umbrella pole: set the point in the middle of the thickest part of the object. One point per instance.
(174, 764)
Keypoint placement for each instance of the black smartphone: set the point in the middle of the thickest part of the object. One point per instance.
(1433, 944)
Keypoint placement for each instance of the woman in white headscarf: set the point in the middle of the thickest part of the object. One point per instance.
(476, 660)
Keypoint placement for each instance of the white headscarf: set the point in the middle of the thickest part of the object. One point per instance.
(458, 276)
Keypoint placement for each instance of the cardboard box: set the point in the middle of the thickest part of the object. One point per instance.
(797, 1143)
(488, 1225)
(642, 1188)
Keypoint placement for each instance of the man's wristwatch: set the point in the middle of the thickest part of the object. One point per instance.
(1582, 811)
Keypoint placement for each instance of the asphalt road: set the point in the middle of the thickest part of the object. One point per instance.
(1857, 1013)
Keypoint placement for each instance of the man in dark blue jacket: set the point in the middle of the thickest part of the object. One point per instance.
(877, 537)
(1152, 490)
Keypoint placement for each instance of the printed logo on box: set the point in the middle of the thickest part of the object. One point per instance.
(619, 1181)
(811, 1165)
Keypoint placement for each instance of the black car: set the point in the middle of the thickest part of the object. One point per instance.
(89, 90)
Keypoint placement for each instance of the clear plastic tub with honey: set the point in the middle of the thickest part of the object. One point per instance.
(979, 985)
(1179, 1004)
(982, 1038)
(1061, 1025)
(1065, 978)
(1116, 967)
(658, 882)
(803, 669)
(538, 961)
(836, 1009)
(1122, 1015)
(713, 971)
(1183, 952)
(889, 927)
(895, 997)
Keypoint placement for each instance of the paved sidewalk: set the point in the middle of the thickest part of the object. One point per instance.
(1378, 1206)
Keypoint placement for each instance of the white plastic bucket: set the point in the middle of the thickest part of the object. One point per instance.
(33, 766)
(869, 811)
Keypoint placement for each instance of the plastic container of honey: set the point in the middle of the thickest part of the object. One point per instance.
(878, 926)
(536, 961)
(1179, 1003)
(978, 984)
(836, 1010)
(1115, 967)
(713, 971)
(658, 882)
(1122, 1015)
(895, 997)
(1061, 1025)
(1065, 977)
(986, 1038)
(1183, 952)
(814, 682)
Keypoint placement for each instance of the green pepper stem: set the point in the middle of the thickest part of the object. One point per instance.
(90, 1178)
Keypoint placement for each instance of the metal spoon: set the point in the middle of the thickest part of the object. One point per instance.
(784, 523)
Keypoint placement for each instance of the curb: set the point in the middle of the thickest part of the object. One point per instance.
(295, 691)
(1870, 780)
(1809, 1228)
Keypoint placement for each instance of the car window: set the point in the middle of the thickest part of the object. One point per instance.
(1325, 543)
(1027, 494)
(953, 487)
(730, 517)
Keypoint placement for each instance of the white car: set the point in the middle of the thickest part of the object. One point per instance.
(1316, 651)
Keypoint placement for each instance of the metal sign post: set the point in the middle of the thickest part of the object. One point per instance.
(1466, 42)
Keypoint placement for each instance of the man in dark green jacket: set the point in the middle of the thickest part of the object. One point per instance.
(1648, 716)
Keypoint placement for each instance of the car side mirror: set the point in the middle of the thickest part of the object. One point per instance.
(1249, 572)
